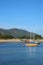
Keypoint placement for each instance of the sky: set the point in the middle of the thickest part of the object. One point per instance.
(22, 14)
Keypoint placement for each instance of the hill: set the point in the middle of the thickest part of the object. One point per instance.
(18, 33)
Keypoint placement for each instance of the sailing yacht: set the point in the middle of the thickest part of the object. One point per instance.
(34, 42)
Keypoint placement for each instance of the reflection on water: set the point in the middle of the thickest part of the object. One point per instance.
(32, 51)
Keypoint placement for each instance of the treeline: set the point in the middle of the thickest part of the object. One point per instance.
(28, 37)
(38, 37)
(4, 36)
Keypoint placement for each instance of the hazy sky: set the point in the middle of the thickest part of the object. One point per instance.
(23, 14)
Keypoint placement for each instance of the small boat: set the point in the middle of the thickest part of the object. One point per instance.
(30, 44)
(35, 43)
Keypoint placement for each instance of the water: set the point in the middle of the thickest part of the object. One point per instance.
(19, 54)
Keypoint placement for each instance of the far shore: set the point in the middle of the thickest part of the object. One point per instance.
(10, 40)
(19, 40)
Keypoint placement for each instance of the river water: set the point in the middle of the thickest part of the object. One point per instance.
(19, 54)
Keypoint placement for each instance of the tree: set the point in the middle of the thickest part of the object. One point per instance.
(4, 36)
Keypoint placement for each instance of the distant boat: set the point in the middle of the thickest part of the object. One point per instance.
(34, 43)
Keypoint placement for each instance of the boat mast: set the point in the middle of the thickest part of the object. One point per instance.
(33, 37)
(30, 36)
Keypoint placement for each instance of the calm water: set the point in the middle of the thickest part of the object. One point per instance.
(19, 54)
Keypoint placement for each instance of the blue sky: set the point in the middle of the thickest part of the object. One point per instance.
(22, 14)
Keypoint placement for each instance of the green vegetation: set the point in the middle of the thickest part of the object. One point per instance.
(38, 37)
(4, 36)
(22, 37)
(28, 37)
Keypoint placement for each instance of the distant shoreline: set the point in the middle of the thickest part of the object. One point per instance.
(19, 40)
(10, 40)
